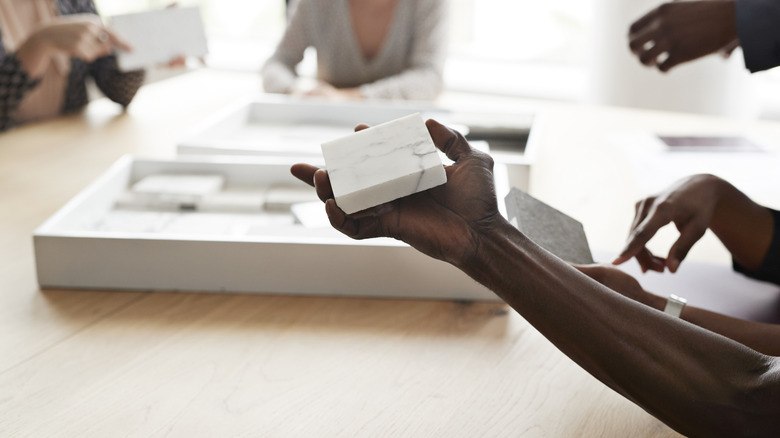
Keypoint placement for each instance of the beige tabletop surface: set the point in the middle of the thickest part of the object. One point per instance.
(137, 364)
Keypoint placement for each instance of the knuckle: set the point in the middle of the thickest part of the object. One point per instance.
(458, 135)
(664, 208)
(489, 162)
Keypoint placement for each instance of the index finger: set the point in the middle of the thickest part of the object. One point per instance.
(640, 236)
(689, 235)
(322, 185)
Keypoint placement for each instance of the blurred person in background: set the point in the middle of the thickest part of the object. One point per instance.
(47, 51)
(380, 49)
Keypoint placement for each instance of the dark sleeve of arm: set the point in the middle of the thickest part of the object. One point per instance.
(770, 267)
(758, 28)
(116, 85)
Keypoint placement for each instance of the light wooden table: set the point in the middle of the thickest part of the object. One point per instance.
(100, 363)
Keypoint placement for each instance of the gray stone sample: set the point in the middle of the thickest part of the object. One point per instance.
(547, 227)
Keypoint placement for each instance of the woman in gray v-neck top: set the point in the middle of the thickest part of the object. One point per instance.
(409, 64)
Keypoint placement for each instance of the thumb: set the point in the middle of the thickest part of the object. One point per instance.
(117, 41)
(688, 236)
(452, 143)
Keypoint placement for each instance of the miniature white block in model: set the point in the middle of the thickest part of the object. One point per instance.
(383, 163)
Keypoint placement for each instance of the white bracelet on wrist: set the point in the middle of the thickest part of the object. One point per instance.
(674, 305)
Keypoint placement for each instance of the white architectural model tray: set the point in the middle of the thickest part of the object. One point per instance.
(97, 242)
(280, 125)
(271, 125)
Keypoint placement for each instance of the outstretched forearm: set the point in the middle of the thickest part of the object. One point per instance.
(761, 337)
(676, 371)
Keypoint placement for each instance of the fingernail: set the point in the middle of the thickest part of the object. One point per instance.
(673, 265)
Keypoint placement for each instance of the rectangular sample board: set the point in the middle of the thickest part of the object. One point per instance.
(159, 36)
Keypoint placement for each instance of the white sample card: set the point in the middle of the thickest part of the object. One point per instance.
(159, 36)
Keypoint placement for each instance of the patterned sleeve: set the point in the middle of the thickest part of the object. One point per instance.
(117, 86)
(67, 7)
(14, 84)
(770, 266)
(423, 79)
(279, 70)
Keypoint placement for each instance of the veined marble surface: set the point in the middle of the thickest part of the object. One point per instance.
(383, 163)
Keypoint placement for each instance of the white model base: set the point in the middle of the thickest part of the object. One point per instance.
(95, 243)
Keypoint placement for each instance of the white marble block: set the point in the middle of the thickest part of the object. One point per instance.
(383, 163)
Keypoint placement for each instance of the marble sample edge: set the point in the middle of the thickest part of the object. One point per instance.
(383, 163)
